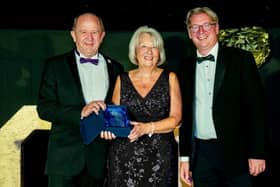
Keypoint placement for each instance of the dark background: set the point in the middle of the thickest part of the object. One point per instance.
(164, 15)
(20, 67)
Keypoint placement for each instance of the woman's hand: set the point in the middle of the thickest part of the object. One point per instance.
(139, 129)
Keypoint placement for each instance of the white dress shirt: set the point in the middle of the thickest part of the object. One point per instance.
(203, 101)
(94, 78)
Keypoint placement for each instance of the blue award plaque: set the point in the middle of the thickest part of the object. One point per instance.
(116, 120)
(113, 119)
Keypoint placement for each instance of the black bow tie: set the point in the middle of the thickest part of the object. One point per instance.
(88, 60)
(208, 57)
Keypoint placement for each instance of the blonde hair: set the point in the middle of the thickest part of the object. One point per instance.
(157, 41)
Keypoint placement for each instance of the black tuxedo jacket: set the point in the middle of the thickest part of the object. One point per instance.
(238, 107)
(60, 102)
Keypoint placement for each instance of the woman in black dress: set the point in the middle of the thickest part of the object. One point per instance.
(149, 156)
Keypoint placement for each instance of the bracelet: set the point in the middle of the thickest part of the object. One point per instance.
(152, 130)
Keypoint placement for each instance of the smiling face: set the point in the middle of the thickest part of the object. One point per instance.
(146, 52)
(203, 32)
(88, 34)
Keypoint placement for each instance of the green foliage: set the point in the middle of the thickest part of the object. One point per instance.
(253, 39)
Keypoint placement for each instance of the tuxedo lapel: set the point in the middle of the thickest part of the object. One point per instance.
(220, 72)
(71, 61)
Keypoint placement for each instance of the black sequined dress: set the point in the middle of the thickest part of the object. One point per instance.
(149, 161)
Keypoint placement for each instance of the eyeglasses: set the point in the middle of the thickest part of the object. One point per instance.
(205, 26)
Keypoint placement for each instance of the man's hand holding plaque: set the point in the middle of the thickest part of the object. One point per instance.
(113, 120)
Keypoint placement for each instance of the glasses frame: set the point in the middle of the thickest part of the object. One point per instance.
(206, 27)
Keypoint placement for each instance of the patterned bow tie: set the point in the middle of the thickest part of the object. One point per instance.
(88, 60)
(208, 57)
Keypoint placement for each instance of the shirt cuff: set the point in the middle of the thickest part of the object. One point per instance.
(184, 159)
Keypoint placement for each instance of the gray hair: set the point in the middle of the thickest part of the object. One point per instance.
(200, 10)
(88, 13)
(157, 41)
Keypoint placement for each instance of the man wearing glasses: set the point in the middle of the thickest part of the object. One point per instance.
(222, 140)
